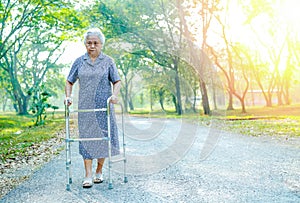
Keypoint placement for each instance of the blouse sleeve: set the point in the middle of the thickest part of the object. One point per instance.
(113, 73)
(73, 74)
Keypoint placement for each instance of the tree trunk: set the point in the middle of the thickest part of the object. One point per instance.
(205, 101)
(151, 99)
(279, 98)
(214, 97)
(178, 91)
(15, 107)
(161, 99)
(269, 100)
(21, 100)
(23, 106)
(230, 102)
(194, 100)
(279, 91)
(174, 102)
(243, 106)
(130, 102)
(242, 101)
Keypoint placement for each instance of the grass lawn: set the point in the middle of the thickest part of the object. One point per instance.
(18, 133)
(258, 121)
(264, 121)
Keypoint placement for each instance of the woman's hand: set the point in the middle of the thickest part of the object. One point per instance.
(68, 101)
(114, 99)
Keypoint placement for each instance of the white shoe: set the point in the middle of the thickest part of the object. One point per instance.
(87, 183)
(98, 178)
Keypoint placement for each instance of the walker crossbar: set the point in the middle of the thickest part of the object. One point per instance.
(87, 110)
(118, 160)
(86, 139)
(68, 140)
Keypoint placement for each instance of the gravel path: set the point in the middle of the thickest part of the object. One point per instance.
(174, 161)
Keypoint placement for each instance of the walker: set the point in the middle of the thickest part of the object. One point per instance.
(68, 140)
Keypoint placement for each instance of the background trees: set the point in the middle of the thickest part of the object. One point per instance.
(175, 55)
(31, 34)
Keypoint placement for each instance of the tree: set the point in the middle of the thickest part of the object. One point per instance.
(161, 85)
(274, 37)
(129, 66)
(20, 18)
(195, 15)
(171, 33)
(153, 31)
(190, 85)
(244, 72)
(40, 26)
(26, 68)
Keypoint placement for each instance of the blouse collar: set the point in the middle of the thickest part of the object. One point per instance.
(87, 57)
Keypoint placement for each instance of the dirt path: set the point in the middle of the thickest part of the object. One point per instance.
(173, 161)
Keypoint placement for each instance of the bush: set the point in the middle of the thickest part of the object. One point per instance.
(40, 104)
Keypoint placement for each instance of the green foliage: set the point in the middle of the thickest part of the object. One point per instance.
(31, 36)
(40, 104)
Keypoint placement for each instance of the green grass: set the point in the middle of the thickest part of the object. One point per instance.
(258, 121)
(286, 126)
(282, 121)
(18, 133)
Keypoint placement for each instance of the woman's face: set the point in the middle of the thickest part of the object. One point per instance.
(93, 46)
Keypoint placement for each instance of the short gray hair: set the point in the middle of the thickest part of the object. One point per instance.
(95, 32)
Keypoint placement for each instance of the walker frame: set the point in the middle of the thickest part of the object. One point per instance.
(68, 141)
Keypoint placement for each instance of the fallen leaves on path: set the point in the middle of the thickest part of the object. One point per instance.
(15, 170)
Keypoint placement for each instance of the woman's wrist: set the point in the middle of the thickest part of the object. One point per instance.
(114, 99)
(68, 101)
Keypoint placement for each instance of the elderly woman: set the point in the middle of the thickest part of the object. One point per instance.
(96, 72)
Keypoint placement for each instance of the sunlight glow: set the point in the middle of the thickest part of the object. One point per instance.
(290, 12)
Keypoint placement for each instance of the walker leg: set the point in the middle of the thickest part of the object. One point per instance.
(124, 146)
(110, 186)
(68, 150)
(68, 165)
(125, 175)
(68, 188)
(125, 179)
